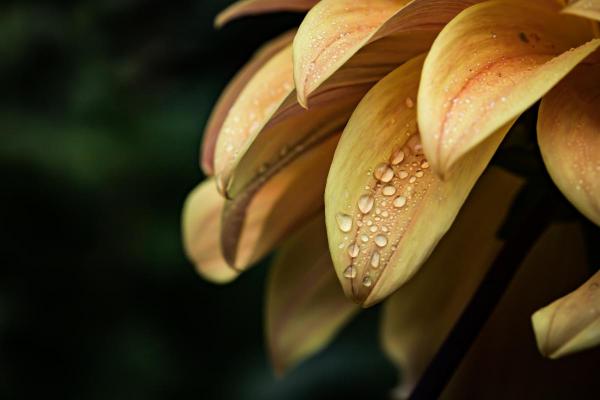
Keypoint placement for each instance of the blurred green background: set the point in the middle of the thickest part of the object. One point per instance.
(102, 109)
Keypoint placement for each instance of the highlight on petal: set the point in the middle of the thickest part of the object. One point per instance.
(555, 265)
(418, 317)
(489, 64)
(201, 222)
(305, 307)
(584, 8)
(571, 323)
(232, 92)
(244, 8)
(253, 108)
(569, 138)
(381, 196)
(368, 38)
(269, 209)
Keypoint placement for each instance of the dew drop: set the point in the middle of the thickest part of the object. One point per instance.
(424, 164)
(403, 175)
(419, 174)
(365, 203)
(399, 201)
(389, 190)
(364, 238)
(373, 228)
(350, 272)
(353, 250)
(367, 282)
(344, 222)
(409, 102)
(375, 259)
(412, 179)
(384, 173)
(397, 157)
(380, 240)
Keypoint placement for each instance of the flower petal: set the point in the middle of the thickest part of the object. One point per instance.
(244, 8)
(489, 64)
(256, 220)
(349, 33)
(382, 197)
(305, 305)
(433, 301)
(232, 92)
(555, 264)
(584, 8)
(569, 138)
(200, 220)
(571, 323)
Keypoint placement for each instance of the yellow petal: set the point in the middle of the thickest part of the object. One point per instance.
(569, 138)
(489, 64)
(381, 194)
(201, 221)
(253, 108)
(305, 305)
(571, 323)
(253, 7)
(419, 316)
(256, 220)
(584, 8)
(231, 93)
(503, 362)
(368, 38)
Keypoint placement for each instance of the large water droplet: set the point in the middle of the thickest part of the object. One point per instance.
(397, 157)
(389, 190)
(350, 272)
(375, 257)
(353, 250)
(365, 203)
(384, 173)
(344, 222)
(380, 240)
(399, 201)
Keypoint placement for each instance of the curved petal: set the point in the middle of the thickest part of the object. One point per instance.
(338, 33)
(584, 8)
(569, 138)
(305, 306)
(433, 301)
(232, 92)
(253, 7)
(200, 220)
(263, 214)
(385, 209)
(489, 64)
(571, 323)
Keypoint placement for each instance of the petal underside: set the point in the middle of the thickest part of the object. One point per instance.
(245, 8)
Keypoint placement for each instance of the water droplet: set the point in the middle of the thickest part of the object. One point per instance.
(367, 282)
(375, 259)
(389, 190)
(364, 238)
(350, 272)
(344, 222)
(399, 201)
(384, 173)
(409, 102)
(424, 164)
(397, 157)
(419, 174)
(373, 228)
(412, 179)
(353, 250)
(365, 203)
(380, 240)
(402, 174)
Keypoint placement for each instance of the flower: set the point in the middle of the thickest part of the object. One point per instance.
(387, 113)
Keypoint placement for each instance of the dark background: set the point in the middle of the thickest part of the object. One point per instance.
(102, 106)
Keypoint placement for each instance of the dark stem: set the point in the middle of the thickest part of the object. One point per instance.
(519, 240)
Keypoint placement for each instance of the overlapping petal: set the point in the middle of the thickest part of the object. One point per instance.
(305, 306)
(342, 41)
(244, 8)
(385, 209)
(418, 317)
(489, 64)
(569, 138)
(584, 8)
(232, 92)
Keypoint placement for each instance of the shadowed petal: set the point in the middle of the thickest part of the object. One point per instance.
(382, 196)
(305, 305)
(569, 138)
(584, 8)
(253, 7)
(418, 317)
(489, 64)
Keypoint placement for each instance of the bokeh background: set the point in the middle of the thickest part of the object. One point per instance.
(102, 106)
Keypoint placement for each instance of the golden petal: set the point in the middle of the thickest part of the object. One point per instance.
(232, 92)
(364, 39)
(569, 138)
(489, 64)
(584, 8)
(305, 306)
(201, 223)
(244, 8)
(433, 301)
(412, 208)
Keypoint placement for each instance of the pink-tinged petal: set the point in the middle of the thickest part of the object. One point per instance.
(245, 8)
(569, 138)
(488, 65)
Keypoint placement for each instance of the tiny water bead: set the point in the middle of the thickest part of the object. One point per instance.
(344, 222)
(399, 201)
(367, 281)
(409, 102)
(389, 190)
(350, 272)
(403, 175)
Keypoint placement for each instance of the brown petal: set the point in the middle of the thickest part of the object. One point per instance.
(305, 305)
